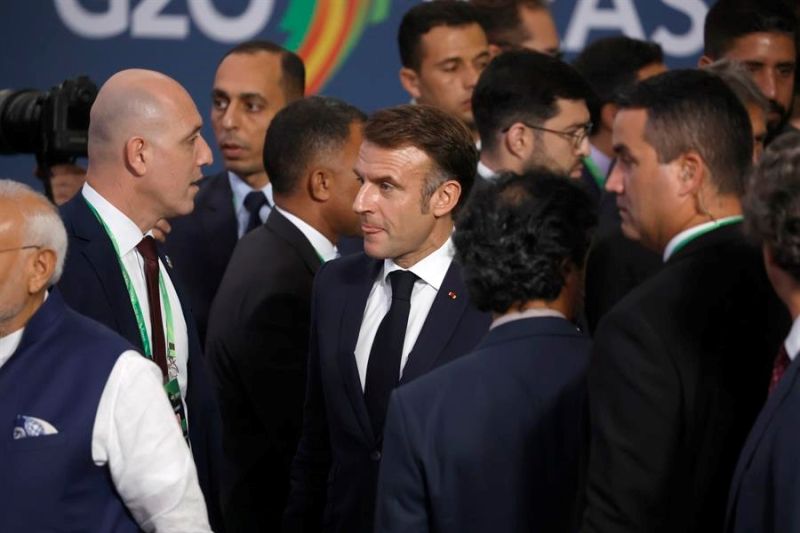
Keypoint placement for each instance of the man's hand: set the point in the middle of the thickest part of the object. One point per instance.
(161, 230)
(65, 181)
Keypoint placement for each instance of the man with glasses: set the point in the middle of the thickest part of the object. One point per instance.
(530, 110)
(79, 406)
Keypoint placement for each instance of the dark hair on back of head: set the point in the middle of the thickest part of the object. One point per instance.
(502, 22)
(422, 18)
(514, 239)
(522, 85)
(302, 132)
(694, 110)
(611, 65)
(772, 203)
(443, 138)
(293, 79)
(728, 20)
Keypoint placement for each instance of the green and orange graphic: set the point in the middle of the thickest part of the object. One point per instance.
(324, 32)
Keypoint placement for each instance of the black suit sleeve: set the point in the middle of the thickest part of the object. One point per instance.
(635, 408)
(312, 463)
(401, 503)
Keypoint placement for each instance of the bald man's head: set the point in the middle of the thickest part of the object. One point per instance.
(145, 147)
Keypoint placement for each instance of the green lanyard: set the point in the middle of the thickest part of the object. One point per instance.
(689, 238)
(170, 381)
(594, 170)
(137, 308)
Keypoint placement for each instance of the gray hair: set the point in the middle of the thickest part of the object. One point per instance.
(42, 224)
(740, 82)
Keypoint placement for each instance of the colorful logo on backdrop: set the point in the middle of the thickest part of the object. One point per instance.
(323, 33)
(325, 38)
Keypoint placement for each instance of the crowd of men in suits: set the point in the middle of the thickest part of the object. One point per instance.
(540, 297)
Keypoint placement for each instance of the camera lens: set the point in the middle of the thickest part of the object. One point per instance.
(20, 111)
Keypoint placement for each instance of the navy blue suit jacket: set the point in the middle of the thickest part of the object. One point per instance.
(93, 285)
(493, 441)
(766, 482)
(334, 473)
(201, 244)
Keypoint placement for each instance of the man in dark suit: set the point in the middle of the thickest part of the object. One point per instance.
(681, 365)
(385, 317)
(145, 159)
(764, 491)
(254, 80)
(258, 329)
(530, 110)
(494, 440)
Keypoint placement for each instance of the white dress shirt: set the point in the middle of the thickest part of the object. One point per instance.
(792, 342)
(240, 189)
(528, 313)
(136, 434)
(128, 235)
(431, 272)
(486, 172)
(325, 249)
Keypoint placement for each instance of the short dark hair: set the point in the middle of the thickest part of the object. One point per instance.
(293, 79)
(501, 20)
(422, 18)
(611, 65)
(728, 20)
(693, 109)
(514, 238)
(772, 203)
(443, 138)
(301, 132)
(522, 85)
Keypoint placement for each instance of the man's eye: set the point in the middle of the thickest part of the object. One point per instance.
(219, 103)
(254, 107)
(786, 70)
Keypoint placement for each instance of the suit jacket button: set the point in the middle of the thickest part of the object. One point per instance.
(375, 455)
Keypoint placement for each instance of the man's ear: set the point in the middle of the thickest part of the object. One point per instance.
(137, 155)
(607, 114)
(518, 142)
(409, 79)
(320, 184)
(704, 61)
(692, 173)
(43, 264)
(445, 198)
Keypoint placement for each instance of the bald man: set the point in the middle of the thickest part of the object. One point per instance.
(88, 465)
(145, 159)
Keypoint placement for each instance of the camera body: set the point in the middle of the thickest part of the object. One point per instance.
(53, 125)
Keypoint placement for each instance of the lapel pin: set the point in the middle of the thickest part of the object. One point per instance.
(169, 261)
(452, 295)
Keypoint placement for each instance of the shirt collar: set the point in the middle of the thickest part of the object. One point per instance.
(324, 248)
(692, 232)
(528, 313)
(125, 231)
(486, 172)
(430, 269)
(240, 189)
(600, 159)
(792, 342)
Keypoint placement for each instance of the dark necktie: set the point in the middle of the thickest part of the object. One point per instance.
(383, 368)
(147, 247)
(253, 202)
(782, 362)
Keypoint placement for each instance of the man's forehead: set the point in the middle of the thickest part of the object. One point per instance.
(570, 111)
(253, 70)
(444, 41)
(629, 125)
(375, 160)
(763, 45)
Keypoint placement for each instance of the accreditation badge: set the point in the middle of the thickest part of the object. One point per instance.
(174, 395)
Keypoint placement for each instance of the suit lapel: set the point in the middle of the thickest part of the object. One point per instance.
(217, 214)
(100, 254)
(357, 292)
(280, 226)
(440, 325)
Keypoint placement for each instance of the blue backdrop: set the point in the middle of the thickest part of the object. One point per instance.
(348, 45)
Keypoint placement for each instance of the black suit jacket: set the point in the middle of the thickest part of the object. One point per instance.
(492, 441)
(201, 244)
(334, 473)
(93, 285)
(678, 374)
(258, 347)
(766, 483)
